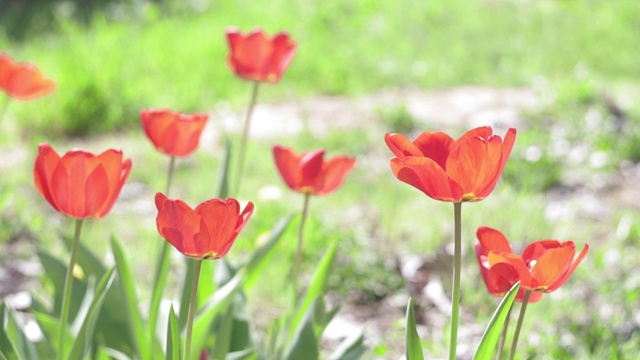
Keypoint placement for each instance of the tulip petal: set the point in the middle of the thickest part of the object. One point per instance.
(23, 81)
(473, 165)
(552, 265)
(310, 165)
(220, 218)
(427, 176)
(287, 163)
(512, 267)
(507, 145)
(570, 271)
(283, 51)
(333, 173)
(435, 146)
(492, 239)
(400, 146)
(497, 285)
(177, 223)
(534, 250)
(46, 163)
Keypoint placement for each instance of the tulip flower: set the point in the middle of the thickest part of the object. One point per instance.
(451, 170)
(543, 266)
(79, 184)
(309, 172)
(206, 232)
(171, 132)
(23, 81)
(258, 57)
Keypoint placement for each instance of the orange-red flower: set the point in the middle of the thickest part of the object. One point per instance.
(309, 173)
(460, 170)
(206, 232)
(79, 184)
(23, 81)
(171, 132)
(543, 266)
(258, 57)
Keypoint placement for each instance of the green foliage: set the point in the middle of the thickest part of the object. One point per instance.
(414, 345)
(487, 345)
(398, 119)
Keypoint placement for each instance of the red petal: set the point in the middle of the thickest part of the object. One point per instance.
(473, 165)
(552, 265)
(492, 239)
(46, 163)
(401, 146)
(534, 250)
(427, 176)
(287, 163)
(283, 51)
(507, 145)
(177, 223)
(483, 132)
(435, 146)
(333, 173)
(497, 285)
(512, 267)
(570, 271)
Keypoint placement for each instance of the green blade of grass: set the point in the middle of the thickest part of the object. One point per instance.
(173, 337)
(491, 335)
(414, 345)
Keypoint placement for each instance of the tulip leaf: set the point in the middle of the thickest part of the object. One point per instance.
(304, 344)
(3, 356)
(261, 255)
(15, 331)
(239, 355)
(414, 346)
(491, 335)
(206, 283)
(84, 339)
(126, 282)
(316, 286)
(50, 327)
(86, 259)
(352, 348)
(161, 273)
(186, 291)
(217, 303)
(7, 348)
(56, 271)
(223, 332)
(223, 172)
(173, 337)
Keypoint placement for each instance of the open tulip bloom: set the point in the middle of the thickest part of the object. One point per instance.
(206, 232)
(171, 132)
(451, 170)
(258, 57)
(309, 172)
(543, 266)
(23, 81)
(80, 184)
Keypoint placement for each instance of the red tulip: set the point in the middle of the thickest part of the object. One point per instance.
(257, 57)
(80, 185)
(204, 233)
(543, 266)
(171, 132)
(309, 173)
(23, 81)
(444, 169)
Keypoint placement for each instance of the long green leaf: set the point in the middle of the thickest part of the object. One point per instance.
(87, 260)
(217, 303)
(16, 333)
(492, 333)
(304, 344)
(56, 271)
(414, 346)
(223, 335)
(173, 337)
(352, 348)
(259, 258)
(128, 286)
(241, 355)
(83, 341)
(7, 347)
(316, 287)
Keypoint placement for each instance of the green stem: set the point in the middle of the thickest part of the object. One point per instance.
(523, 308)
(68, 285)
(192, 309)
(162, 269)
(4, 106)
(297, 263)
(503, 334)
(457, 265)
(245, 136)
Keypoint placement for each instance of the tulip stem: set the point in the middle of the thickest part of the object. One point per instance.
(66, 298)
(162, 268)
(457, 265)
(245, 135)
(298, 257)
(523, 308)
(192, 308)
(4, 106)
(503, 334)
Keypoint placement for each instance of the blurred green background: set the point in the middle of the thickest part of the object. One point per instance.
(573, 174)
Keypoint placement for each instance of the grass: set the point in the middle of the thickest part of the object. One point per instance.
(573, 53)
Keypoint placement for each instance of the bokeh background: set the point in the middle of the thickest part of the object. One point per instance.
(565, 73)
